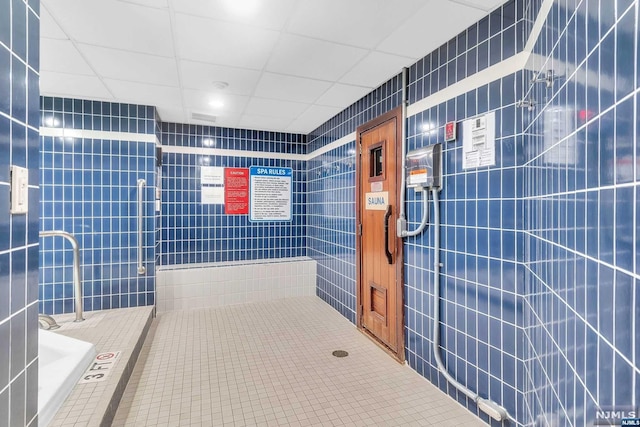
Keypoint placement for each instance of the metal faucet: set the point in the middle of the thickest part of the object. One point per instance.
(77, 282)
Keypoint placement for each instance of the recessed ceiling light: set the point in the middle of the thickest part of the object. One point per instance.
(242, 7)
(216, 103)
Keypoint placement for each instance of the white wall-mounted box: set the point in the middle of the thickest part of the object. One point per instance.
(19, 190)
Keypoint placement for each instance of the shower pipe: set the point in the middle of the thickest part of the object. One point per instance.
(141, 268)
(77, 281)
(487, 406)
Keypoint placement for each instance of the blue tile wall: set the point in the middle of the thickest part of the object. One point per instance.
(19, 145)
(482, 278)
(191, 232)
(496, 37)
(198, 136)
(331, 226)
(581, 193)
(331, 178)
(69, 113)
(158, 219)
(540, 251)
(381, 100)
(89, 189)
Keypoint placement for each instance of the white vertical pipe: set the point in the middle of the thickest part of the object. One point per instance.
(402, 218)
(489, 407)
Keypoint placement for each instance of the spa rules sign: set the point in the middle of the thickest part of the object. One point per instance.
(271, 192)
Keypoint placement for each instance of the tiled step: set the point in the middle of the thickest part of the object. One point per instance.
(124, 330)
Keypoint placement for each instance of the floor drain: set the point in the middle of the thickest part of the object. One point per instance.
(340, 353)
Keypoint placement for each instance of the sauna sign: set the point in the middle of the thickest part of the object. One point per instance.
(270, 194)
(377, 201)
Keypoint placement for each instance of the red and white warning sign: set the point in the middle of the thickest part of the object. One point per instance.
(100, 368)
(236, 191)
(450, 131)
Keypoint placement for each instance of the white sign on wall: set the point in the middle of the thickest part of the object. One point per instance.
(212, 175)
(212, 195)
(479, 141)
(376, 201)
(559, 138)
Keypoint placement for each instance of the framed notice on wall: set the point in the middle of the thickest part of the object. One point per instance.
(270, 194)
(236, 191)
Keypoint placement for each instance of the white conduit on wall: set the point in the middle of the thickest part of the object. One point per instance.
(489, 407)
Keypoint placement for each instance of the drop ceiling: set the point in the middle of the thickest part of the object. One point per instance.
(288, 65)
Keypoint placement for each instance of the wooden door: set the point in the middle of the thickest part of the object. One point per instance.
(380, 258)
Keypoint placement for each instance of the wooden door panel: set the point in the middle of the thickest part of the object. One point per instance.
(380, 282)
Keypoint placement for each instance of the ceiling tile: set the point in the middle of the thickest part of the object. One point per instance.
(376, 68)
(48, 27)
(275, 108)
(172, 115)
(114, 24)
(178, 115)
(132, 66)
(227, 121)
(145, 94)
(288, 88)
(217, 42)
(316, 59)
(361, 23)
(63, 57)
(341, 95)
(426, 30)
(73, 86)
(298, 60)
(200, 101)
(197, 75)
(270, 15)
(158, 4)
(257, 122)
(313, 117)
(484, 5)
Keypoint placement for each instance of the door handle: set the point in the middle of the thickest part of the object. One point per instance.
(387, 215)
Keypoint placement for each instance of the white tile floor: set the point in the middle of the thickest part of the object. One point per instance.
(271, 364)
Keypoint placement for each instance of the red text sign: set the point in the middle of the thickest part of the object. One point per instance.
(236, 191)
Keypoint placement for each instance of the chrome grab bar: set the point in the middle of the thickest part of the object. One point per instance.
(77, 281)
(141, 268)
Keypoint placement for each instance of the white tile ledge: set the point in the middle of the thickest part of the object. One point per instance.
(232, 263)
